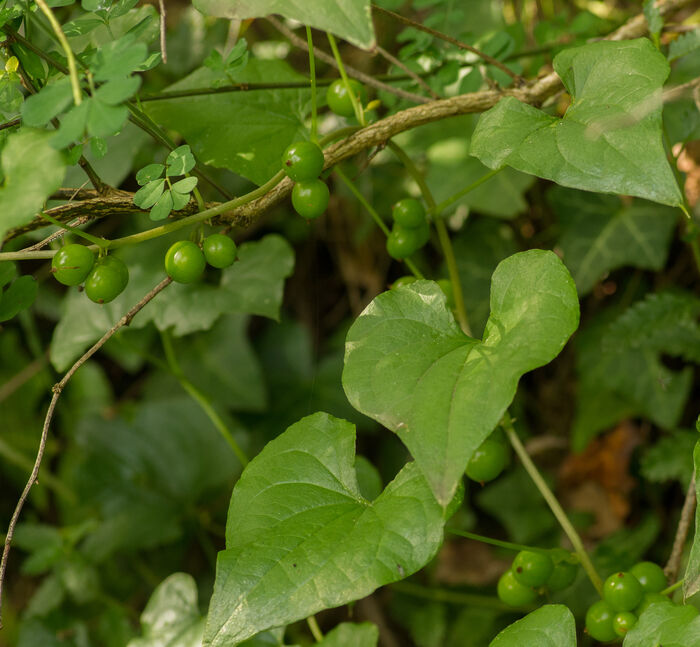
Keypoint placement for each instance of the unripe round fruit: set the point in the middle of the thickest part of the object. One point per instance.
(402, 242)
(408, 213)
(184, 262)
(303, 161)
(562, 576)
(623, 622)
(488, 461)
(107, 280)
(72, 263)
(599, 621)
(651, 576)
(219, 250)
(310, 198)
(532, 568)
(622, 591)
(403, 280)
(512, 592)
(338, 97)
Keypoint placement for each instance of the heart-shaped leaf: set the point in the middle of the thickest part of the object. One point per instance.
(409, 366)
(552, 625)
(669, 625)
(610, 138)
(300, 537)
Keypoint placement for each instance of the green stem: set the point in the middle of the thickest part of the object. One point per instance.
(375, 216)
(356, 105)
(443, 236)
(554, 505)
(200, 398)
(312, 74)
(315, 629)
(100, 242)
(670, 589)
(440, 207)
(70, 57)
(497, 542)
(453, 597)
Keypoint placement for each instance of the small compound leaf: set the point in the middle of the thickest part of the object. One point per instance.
(683, 45)
(117, 91)
(665, 624)
(163, 207)
(8, 271)
(149, 194)
(691, 584)
(72, 125)
(171, 617)
(180, 200)
(149, 173)
(19, 296)
(409, 366)
(326, 545)
(40, 108)
(180, 161)
(185, 185)
(33, 170)
(552, 625)
(349, 19)
(608, 141)
(105, 120)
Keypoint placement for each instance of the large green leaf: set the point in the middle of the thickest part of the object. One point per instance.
(610, 138)
(246, 132)
(33, 171)
(348, 634)
(691, 584)
(552, 625)
(300, 538)
(253, 285)
(409, 366)
(666, 625)
(602, 233)
(349, 19)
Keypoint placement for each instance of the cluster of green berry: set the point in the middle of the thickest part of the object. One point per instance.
(185, 261)
(410, 230)
(489, 459)
(625, 596)
(105, 278)
(535, 572)
(303, 162)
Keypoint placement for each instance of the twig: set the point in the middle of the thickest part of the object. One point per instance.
(57, 389)
(674, 561)
(360, 76)
(163, 40)
(453, 41)
(401, 65)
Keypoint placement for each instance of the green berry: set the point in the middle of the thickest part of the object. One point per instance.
(599, 621)
(303, 161)
(107, 280)
(562, 576)
(651, 576)
(622, 591)
(310, 198)
(512, 592)
(532, 568)
(446, 287)
(338, 97)
(403, 280)
(219, 250)
(648, 600)
(184, 262)
(402, 242)
(72, 263)
(623, 622)
(488, 461)
(408, 213)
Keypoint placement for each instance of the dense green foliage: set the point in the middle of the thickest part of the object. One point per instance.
(390, 344)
